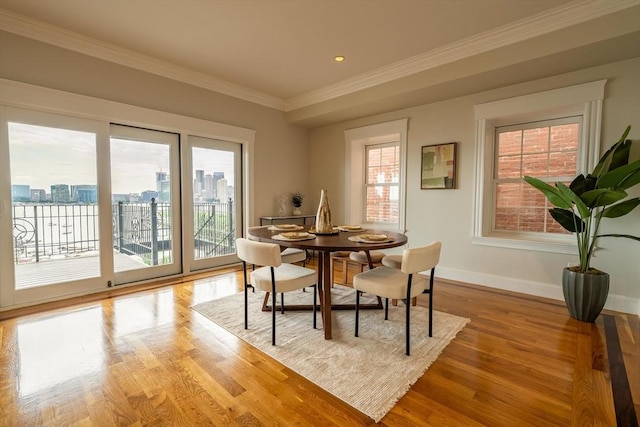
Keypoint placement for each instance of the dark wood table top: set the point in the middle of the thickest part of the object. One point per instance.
(330, 242)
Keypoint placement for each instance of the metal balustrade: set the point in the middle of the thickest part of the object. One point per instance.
(44, 231)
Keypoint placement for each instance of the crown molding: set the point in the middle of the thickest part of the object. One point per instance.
(567, 15)
(57, 36)
(555, 19)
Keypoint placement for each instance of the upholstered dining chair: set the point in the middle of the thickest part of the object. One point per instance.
(395, 261)
(357, 258)
(289, 255)
(404, 283)
(274, 277)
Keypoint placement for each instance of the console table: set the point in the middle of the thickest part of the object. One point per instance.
(270, 219)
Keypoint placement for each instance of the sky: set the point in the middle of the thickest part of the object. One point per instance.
(43, 156)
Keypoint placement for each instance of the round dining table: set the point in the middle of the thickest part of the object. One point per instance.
(324, 244)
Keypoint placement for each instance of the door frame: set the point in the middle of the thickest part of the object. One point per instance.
(30, 295)
(152, 136)
(191, 264)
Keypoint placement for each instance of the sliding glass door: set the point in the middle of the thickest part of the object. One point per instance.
(145, 197)
(54, 216)
(87, 204)
(213, 202)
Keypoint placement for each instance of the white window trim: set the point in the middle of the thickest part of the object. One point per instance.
(356, 141)
(585, 100)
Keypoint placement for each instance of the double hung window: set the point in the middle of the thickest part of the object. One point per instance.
(547, 150)
(553, 136)
(382, 183)
(375, 181)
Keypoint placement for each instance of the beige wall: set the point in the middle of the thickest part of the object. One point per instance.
(446, 215)
(281, 149)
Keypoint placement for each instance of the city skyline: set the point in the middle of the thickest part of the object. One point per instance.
(44, 156)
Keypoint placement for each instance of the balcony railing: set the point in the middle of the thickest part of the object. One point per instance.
(144, 230)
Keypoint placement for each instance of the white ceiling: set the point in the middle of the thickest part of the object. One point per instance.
(280, 52)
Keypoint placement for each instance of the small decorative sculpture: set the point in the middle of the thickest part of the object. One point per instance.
(323, 217)
(282, 203)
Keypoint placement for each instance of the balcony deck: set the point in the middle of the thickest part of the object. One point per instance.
(67, 269)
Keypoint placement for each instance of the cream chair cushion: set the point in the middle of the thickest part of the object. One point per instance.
(361, 256)
(389, 282)
(289, 278)
(393, 261)
(291, 255)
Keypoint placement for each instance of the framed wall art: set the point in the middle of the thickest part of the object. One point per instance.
(438, 166)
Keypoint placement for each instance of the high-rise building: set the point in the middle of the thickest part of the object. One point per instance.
(221, 190)
(209, 187)
(38, 195)
(84, 193)
(198, 188)
(60, 193)
(217, 176)
(163, 186)
(20, 193)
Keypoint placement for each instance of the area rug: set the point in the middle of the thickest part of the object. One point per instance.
(371, 372)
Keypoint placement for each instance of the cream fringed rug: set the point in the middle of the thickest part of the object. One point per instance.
(371, 372)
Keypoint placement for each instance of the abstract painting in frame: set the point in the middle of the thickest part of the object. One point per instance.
(438, 166)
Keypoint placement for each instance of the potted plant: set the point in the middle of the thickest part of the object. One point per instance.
(579, 208)
(296, 199)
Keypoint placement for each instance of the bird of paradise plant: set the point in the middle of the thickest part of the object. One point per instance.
(581, 206)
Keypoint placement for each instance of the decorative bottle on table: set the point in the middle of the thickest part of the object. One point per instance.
(323, 217)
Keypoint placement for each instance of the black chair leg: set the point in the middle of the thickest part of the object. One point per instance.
(315, 296)
(273, 307)
(408, 328)
(386, 309)
(357, 310)
(246, 295)
(273, 318)
(433, 270)
(408, 319)
(282, 303)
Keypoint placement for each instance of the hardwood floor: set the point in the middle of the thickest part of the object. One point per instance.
(146, 358)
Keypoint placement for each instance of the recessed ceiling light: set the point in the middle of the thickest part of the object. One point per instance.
(339, 58)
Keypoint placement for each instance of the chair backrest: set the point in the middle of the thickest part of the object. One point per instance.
(421, 259)
(258, 253)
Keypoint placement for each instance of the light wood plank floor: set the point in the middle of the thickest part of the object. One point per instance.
(146, 358)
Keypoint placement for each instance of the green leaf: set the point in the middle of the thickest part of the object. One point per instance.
(603, 197)
(621, 155)
(631, 180)
(567, 219)
(607, 159)
(551, 193)
(615, 177)
(580, 184)
(621, 209)
(567, 193)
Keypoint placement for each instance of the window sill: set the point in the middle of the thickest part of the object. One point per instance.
(557, 246)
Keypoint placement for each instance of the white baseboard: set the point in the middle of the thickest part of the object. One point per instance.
(614, 302)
